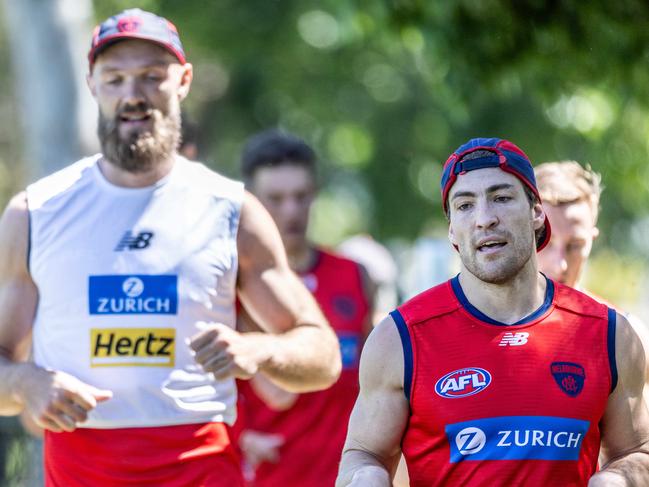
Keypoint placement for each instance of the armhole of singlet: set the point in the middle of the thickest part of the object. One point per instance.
(612, 321)
(28, 253)
(407, 351)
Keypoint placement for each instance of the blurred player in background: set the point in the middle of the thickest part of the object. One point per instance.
(291, 439)
(571, 196)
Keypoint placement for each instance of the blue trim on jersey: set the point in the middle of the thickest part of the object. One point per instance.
(612, 325)
(407, 351)
(547, 302)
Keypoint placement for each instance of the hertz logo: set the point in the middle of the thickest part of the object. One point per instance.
(148, 347)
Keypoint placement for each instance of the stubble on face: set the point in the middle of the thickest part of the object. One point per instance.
(503, 268)
(142, 150)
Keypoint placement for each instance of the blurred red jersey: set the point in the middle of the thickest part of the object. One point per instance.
(315, 427)
(505, 405)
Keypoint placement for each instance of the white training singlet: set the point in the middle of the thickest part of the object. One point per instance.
(125, 277)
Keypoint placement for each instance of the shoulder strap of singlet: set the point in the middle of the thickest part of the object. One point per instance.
(404, 334)
(612, 325)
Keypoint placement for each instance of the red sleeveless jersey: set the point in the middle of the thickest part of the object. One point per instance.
(315, 427)
(505, 405)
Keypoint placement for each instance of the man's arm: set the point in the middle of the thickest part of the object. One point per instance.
(380, 414)
(643, 333)
(54, 400)
(18, 298)
(275, 397)
(625, 426)
(297, 350)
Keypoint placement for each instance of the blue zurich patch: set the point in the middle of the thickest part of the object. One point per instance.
(569, 377)
(349, 349)
(463, 382)
(516, 438)
(133, 294)
(345, 306)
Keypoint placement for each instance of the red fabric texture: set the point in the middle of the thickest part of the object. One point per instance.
(196, 455)
(315, 427)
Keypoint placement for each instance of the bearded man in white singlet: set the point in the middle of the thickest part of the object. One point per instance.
(124, 269)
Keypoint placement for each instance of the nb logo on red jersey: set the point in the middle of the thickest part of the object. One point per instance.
(514, 339)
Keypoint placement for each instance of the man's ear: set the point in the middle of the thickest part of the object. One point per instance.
(185, 81)
(451, 236)
(595, 232)
(91, 84)
(538, 215)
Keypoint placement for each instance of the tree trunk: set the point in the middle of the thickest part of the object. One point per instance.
(49, 40)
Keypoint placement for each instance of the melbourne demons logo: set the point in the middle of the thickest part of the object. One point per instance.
(463, 382)
(129, 24)
(569, 377)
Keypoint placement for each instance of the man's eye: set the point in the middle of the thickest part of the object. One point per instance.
(503, 199)
(464, 206)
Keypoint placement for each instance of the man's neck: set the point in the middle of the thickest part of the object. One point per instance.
(302, 259)
(507, 302)
(120, 177)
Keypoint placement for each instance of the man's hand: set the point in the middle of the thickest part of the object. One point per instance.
(226, 353)
(58, 401)
(258, 447)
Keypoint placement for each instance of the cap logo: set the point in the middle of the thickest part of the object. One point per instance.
(129, 24)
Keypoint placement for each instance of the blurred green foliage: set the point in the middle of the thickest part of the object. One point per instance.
(385, 90)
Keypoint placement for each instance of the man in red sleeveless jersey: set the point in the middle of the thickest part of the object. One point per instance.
(297, 439)
(499, 376)
(571, 194)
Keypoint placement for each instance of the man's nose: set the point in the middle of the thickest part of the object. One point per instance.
(486, 217)
(132, 94)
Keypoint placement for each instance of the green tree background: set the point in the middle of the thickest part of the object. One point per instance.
(385, 90)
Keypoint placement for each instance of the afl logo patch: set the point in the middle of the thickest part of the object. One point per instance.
(463, 382)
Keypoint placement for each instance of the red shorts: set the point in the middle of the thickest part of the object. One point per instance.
(195, 455)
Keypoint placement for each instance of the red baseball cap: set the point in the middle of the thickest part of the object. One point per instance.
(504, 155)
(135, 23)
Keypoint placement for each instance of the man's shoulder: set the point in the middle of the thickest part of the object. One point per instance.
(578, 302)
(59, 182)
(327, 257)
(436, 301)
(205, 179)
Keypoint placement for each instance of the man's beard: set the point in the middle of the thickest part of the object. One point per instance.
(142, 150)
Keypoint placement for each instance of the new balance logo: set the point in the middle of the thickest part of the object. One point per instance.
(514, 339)
(134, 242)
